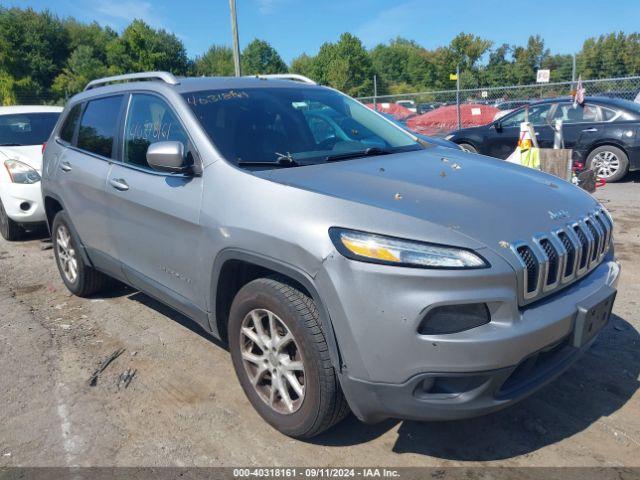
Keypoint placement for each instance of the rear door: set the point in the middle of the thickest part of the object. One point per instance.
(155, 216)
(581, 124)
(90, 137)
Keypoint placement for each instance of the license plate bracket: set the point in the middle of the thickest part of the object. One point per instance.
(591, 318)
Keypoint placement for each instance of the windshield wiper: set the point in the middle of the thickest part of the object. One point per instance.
(282, 161)
(11, 145)
(371, 151)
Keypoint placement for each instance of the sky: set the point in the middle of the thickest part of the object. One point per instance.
(297, 26)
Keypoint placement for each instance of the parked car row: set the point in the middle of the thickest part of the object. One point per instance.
(348, 264)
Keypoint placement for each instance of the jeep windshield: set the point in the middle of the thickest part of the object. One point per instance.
(287, 127)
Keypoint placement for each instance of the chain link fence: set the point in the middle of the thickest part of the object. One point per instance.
(440, 112)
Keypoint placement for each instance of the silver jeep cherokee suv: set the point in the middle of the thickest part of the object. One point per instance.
(347, 263)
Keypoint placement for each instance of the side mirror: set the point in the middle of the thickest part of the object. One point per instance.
(167, 157)
(498, 126)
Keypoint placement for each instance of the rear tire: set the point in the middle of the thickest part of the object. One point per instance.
(9, 229)
(316, 402)
(467, 147)
(609, 162)
(80, 278)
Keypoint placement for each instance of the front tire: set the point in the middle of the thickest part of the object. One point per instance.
(9, 229)
(281, 358)
(81, 279)
(467, 147)
(609, 162)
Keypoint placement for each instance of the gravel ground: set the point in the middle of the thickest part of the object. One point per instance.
(184, 406)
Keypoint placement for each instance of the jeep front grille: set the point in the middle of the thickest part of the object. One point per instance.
(551, 261)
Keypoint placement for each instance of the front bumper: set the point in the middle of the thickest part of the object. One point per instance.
(23, 203)
(391, 369)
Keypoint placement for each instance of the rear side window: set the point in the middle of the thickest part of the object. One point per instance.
(70, 123)
(99, 125)
(150, 120)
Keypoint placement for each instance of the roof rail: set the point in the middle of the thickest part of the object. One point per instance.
(287, 76)
(166, 77)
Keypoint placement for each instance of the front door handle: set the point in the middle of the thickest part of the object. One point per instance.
(119, 184)
(590, 130)
(65, 166)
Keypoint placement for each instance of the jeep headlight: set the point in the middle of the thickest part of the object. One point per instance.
(21, 172)
(368, 247)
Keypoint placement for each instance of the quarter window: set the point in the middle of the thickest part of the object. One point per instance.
(70, 123)
(99, 125)
(150, 120)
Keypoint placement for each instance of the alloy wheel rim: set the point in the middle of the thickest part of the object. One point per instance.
(273, 361)
(66, 254)
(606, 164)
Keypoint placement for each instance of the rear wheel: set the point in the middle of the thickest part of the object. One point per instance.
(467, 147)
(9, 229)
(281, 358)
(609, 162)
(81, 279)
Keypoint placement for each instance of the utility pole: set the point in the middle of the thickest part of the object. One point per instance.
(458, 97)
(234, 34)
(573, 70)
(375, 93)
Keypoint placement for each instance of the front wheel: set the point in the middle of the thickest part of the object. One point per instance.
(609, 162)
(467, 147)
(9, 229)
(281, 358)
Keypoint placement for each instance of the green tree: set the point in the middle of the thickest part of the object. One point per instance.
(303, 65)
(82, 67)
(345, 65)
(217, 61)
(142, 48)
(89, 35)
(261, 58)
(528, 60)
(32, 45)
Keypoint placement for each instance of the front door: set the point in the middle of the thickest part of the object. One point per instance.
(156, 215)
(503, 140)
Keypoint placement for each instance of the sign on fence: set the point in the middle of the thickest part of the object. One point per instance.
(543, 76)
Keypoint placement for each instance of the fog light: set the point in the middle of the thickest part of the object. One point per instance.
(454, 318)
(25, 206)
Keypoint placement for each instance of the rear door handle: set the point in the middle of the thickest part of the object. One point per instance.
(65, 167)
(590, 130)
(119, 184)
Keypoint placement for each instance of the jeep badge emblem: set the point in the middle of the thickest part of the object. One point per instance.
(558, 215)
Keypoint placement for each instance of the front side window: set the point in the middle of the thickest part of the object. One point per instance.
(293, 126)
(26, 128)
(150, 120)
(99, 124)
(538, 115)
(70, 123)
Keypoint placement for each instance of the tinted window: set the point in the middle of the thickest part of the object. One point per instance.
(569, 113)
(608, 114)
(150, 120)
(70, 123)
(99, 125)
(537, 116)
(26, 128)
(306, 125)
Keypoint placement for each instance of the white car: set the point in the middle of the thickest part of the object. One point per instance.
(23, 132)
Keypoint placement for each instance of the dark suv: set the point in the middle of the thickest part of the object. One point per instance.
(603, 133)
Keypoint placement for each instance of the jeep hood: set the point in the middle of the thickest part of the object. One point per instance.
(486, 199)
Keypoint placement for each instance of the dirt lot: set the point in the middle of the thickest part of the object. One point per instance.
(185, 408)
